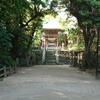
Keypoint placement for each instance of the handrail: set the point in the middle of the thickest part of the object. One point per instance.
(43, 55)
(4, 72)
(1, 69)
(57, 56)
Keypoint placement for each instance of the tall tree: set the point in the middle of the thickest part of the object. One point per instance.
(87, 13)
(21, 19)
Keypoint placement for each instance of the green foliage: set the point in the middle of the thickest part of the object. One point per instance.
(6, 60)
(5, 46)
(5, 38)
(37, 38)
(87, 13)
(62, 39)
(19, 21)
(39, 2)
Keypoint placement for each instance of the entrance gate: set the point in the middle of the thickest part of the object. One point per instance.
(54, 56)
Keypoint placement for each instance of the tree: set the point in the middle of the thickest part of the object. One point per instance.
(5, 46)
(21, 19)
(87, 13)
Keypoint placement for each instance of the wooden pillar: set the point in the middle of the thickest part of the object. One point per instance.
(55, 41)
(46, 42)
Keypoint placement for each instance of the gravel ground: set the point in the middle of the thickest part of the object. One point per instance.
(50, 82)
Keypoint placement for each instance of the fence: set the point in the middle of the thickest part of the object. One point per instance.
(6, 71)
(76, 58)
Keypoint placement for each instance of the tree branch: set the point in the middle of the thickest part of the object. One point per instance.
(35, 16)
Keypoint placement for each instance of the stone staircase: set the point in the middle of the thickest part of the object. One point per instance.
(50, 57)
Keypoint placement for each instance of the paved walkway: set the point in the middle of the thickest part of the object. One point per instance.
(50, 82)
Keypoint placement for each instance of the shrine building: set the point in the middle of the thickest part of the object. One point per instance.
(50, 37)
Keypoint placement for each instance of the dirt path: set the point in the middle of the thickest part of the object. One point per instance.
(50, 82)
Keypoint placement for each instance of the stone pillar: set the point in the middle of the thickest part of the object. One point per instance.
(57, 42)
(62, 46)
(17, 62)
(45, 42)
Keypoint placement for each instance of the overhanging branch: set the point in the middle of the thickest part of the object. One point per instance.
(26, 24)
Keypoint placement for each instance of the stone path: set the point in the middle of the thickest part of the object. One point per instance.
(50, 82)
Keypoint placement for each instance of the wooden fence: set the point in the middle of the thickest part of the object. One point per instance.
(76, 58)
(6, 71)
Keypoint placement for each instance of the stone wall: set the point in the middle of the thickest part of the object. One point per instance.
(37, 57)
(64, 57)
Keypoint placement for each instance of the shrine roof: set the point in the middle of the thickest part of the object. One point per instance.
(52, 30)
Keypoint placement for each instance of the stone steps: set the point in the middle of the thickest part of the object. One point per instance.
(50, 57)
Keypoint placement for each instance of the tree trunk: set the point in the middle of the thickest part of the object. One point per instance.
(31, 37)
(88, 40)
(97, 51)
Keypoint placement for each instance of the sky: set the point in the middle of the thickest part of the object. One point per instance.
(54, 23)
